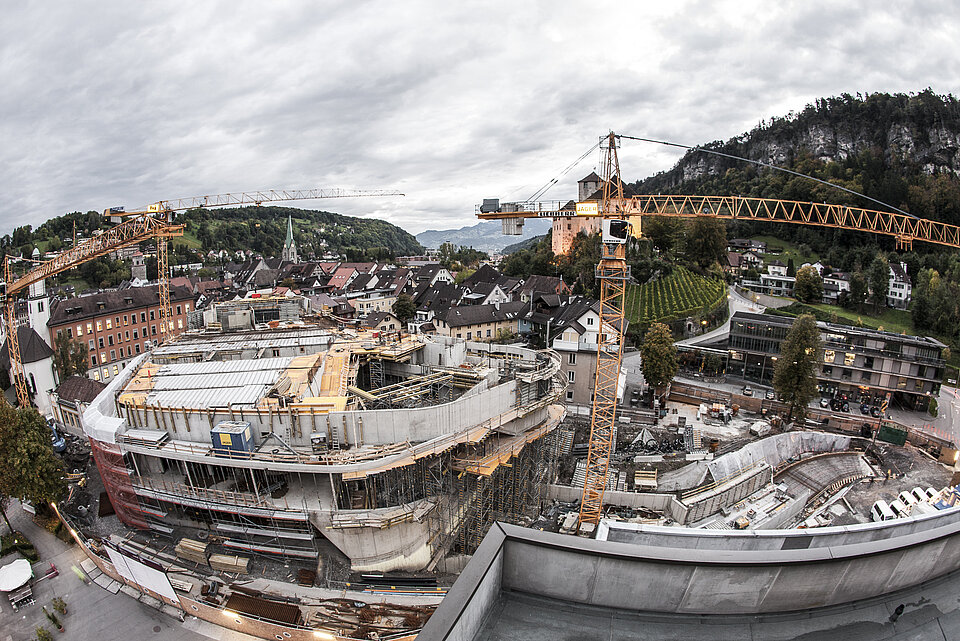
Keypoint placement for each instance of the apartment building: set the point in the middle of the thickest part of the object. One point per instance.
(117, 325)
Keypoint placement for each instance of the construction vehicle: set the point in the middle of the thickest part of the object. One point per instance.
(621, 217)
(155, 221)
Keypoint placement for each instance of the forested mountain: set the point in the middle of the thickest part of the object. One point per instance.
(264, 229)
(903, 150)
(260, 229)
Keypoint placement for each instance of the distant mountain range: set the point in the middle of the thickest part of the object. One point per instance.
(486, 235)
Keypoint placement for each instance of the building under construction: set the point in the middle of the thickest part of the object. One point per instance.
(397, 449)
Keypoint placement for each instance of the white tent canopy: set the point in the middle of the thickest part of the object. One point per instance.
(13, 575)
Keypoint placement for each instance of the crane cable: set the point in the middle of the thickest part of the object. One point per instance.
(769, 166)
(540, 192)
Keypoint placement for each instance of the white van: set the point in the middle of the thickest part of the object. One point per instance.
(907, 498)
(882, 512)
(900, 509)
(920, 494)
(934, 495)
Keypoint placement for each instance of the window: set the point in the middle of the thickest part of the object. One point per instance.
(39, 309)
(79, 330)
(113, 354)
(109, 324)
(827, 370)
(153, 330)
(99, 326)
(179, 311)
(118, 321)
(124, 320)
(90, 343)
(135, 336)
(186, 308)
(572, 358)
(469, 335)
(143, 317)
(129, 351)
(89, 328)
(865, 377)
(93, 359)
(829, 356)
(571, 376)
(106, 373)
(179, 323)
(590, 320)
(569, 394)
(848, 358)
(126, 335)
(110, 339)
(152, 317)
(100, 342)
(137, 348)
(96, 374)
(103, 357)
(116, 370)
(118, 337)
(488, 333)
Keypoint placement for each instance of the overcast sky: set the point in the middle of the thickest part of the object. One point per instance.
(108, 103)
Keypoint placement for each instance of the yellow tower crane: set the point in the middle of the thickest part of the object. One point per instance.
(154, 221)
(621, 216)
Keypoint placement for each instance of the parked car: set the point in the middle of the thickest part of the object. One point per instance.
(747, 391)
(864, 408)
(875, 412)
(824, 403)
(770, 395)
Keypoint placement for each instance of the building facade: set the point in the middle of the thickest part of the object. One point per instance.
(860, 363)
(117, 325)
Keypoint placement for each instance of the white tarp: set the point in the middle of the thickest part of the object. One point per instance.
(13, 575)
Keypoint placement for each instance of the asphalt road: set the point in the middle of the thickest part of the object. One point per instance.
(93, 614)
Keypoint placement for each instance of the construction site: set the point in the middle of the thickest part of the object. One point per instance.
(398, 450)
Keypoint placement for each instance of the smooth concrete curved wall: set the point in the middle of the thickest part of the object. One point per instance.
(844, 566)
(776, 449)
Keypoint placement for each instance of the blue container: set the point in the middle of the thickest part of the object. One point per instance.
(233, 439)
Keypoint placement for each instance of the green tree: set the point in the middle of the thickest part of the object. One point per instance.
(706, 241)
(859, 289)
(31, 471)
(404, 308)
(658, 356)
(69, 356)
(809, 285)
(795, 374)
(879, 277)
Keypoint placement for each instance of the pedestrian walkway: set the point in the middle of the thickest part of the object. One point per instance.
(93, 612)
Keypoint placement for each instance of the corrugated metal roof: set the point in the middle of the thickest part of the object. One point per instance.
(224, 367)
(220, 380)
(209, 397)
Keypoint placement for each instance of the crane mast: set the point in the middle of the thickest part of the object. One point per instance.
(612, 272)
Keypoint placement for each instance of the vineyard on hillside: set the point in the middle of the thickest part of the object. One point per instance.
(677, 296)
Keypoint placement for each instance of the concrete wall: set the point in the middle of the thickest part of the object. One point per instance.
(777, 449)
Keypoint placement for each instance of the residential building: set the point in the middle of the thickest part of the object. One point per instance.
(537, 284)
(746, 244)
(899, 287)
(71, 399)
(382, 322)
(480, 322)
(117, 325)
(854, 361)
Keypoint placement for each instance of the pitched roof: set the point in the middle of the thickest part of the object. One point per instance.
(486, 274)
(458, 316)
(375, 318)
(544, 284)
(80, 388)
(110, 301)
(32, 347)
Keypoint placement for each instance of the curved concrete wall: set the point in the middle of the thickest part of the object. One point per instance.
(693, 572)
(776, 449)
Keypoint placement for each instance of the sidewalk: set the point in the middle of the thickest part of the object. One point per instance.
(93, 614)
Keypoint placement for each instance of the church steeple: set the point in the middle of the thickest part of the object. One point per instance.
(289, 245)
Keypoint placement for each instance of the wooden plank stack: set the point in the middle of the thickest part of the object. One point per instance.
(228, 563)
(191, 550)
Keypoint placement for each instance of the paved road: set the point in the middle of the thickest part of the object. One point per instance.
(737, 303)
(93, 614)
